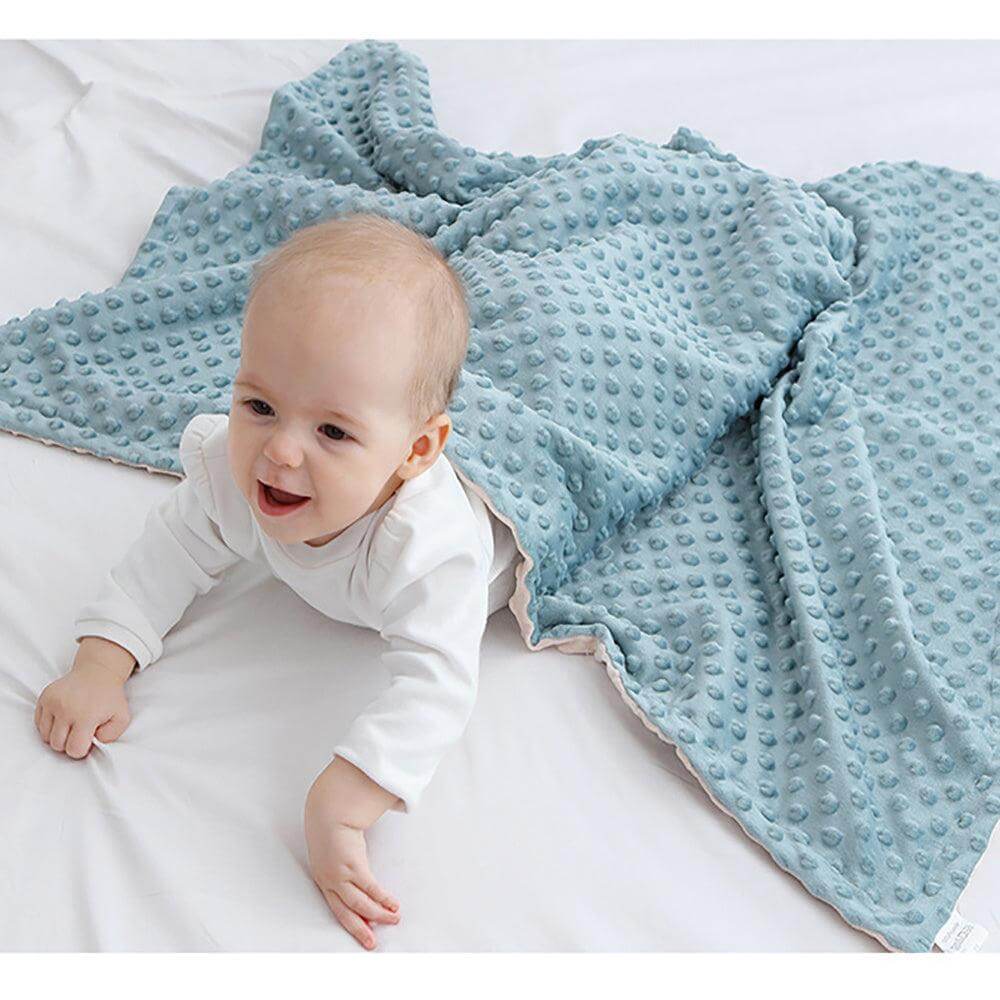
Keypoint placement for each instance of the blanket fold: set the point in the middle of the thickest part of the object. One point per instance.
(746, 432)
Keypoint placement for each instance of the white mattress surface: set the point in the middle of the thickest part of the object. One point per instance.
(560, 823)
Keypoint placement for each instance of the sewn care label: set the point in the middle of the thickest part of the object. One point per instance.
(959, 934)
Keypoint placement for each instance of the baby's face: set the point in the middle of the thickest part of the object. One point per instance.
(320, 404)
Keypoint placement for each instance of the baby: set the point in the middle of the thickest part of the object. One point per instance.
(329, 469)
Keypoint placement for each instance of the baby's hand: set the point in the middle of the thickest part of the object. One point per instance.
(88, 701)
(338, 863)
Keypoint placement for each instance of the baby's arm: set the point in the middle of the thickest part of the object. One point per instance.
(179, 554)
(434, 601)
(434, 607)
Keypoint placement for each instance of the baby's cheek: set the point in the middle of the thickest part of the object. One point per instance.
(331, 500)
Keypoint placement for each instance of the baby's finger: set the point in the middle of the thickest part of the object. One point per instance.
(109, 731)
(38, 713)
(365, 881)
(365, 905)
(57, 738)
(46, 727)
(79, 740)
(350, 921)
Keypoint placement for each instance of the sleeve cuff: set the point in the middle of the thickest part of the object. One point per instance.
(118, 634)
(407, 801)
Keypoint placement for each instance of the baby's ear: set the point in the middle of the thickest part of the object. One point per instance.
(442, 429)
(429, 443)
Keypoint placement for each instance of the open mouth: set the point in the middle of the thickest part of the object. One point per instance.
(278, 503)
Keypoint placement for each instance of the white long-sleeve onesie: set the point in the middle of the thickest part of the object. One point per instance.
(425, 570)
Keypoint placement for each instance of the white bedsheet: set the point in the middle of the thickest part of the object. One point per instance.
(560, 823)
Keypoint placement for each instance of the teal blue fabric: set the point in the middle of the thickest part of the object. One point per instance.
(747, 430)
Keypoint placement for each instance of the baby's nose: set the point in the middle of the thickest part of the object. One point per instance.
(283, 449)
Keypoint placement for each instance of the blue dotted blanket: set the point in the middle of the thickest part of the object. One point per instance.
(747, 432)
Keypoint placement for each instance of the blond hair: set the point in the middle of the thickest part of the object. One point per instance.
(382, 248)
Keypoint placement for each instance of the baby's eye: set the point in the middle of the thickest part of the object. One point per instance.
(251, 402)
(335, 428)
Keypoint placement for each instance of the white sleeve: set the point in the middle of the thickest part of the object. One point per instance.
(179, 554)
(434, 607)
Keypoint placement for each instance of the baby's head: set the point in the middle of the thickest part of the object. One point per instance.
(354, 335)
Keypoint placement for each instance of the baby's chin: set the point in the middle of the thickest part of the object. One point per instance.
(296, 525)
(289, 530)
(294, 535)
